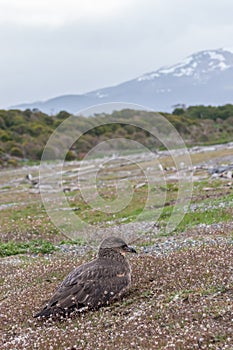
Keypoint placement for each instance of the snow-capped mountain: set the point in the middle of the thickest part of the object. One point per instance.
(205, 77)
(198, 66)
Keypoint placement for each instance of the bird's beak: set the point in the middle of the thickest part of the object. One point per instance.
(129, 249)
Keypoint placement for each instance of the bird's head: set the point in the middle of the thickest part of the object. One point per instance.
(115, 244)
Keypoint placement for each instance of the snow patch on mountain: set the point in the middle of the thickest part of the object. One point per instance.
(179, 66)
(215, 55)
(101, 95)
(228, 49)
(148, 76)
(196, 66)
(163, 90)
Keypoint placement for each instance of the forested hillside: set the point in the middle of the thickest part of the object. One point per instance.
(23, 134)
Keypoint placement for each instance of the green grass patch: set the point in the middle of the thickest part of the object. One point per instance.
(212, 290)
(26, 212)
(208, 217)
(182, 294)
(78, 241)
(33, 247)
(94, 215)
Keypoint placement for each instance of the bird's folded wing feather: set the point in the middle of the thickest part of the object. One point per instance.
(90, 285)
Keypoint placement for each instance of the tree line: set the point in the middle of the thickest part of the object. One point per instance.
(24, 134)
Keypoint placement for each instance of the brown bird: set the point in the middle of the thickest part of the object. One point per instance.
(95, 283)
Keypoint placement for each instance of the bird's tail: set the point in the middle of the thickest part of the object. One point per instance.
(54, 311)
(46, 312)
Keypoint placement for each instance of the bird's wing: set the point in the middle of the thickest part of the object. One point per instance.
(92, 284)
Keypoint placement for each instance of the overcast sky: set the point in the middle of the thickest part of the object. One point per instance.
(56, 47)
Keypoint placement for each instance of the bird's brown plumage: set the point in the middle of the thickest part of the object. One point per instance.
(95, 283)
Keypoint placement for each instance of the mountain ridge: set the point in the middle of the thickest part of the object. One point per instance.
(205, 77)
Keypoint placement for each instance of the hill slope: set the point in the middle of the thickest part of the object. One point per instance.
(202, 78)
(23, 135)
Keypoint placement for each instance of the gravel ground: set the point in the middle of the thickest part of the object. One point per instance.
(150, 242)
(181, 300)
(182, 285)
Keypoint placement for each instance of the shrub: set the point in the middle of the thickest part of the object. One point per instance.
(70, 155)
(5, 136)
(16, 152)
